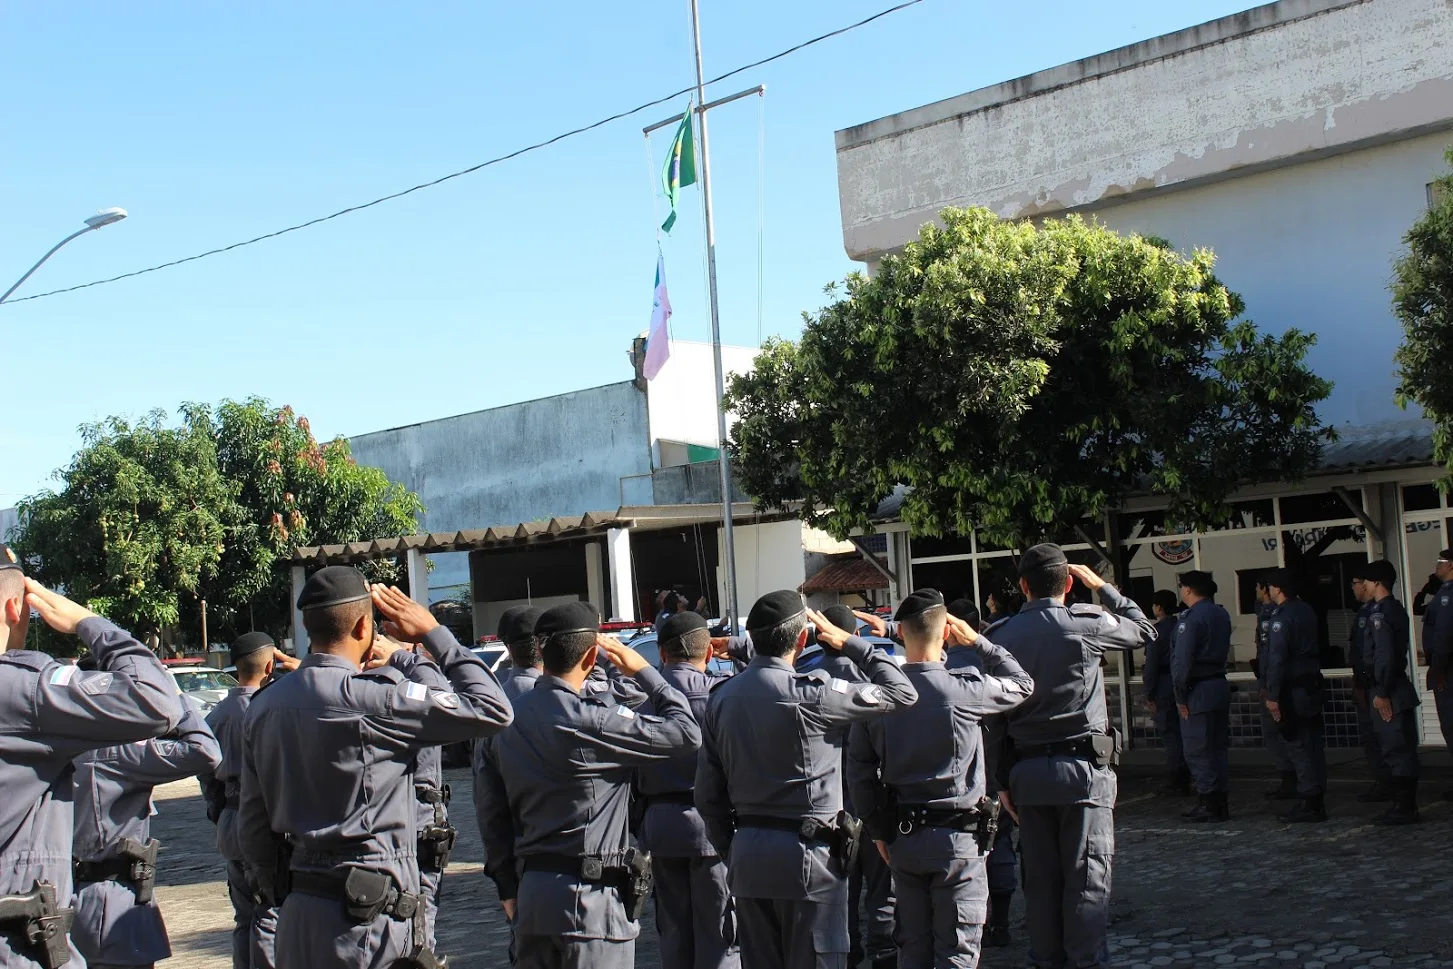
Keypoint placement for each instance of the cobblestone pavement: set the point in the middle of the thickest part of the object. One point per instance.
(1252, 892)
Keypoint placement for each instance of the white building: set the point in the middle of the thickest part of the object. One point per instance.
(1298, 140)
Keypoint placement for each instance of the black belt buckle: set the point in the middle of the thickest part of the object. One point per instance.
(592, 869)
(909, 821)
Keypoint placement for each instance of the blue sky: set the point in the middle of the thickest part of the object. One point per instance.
(212, 123)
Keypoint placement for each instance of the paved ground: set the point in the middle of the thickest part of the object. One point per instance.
(1252, 892)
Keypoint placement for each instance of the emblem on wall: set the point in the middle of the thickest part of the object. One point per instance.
(1177, 552)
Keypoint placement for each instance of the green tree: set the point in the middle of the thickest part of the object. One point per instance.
(1022, 379)
(151, 520)
(1422, 290)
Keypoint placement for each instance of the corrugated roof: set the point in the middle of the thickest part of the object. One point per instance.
(1387, 444)
(847, 573)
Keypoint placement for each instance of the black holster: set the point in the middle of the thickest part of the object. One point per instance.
(43, 925)
(1105, 748)
(849, 841)
(365, 894)
(282, 875)
(215, 796)
(143, 865)
(436, 841)
(639, 879)
(988, 827)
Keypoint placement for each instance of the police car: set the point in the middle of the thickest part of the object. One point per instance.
(202, 686)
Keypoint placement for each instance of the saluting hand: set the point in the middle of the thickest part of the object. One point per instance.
(380, 652)
(961, 633)
(284, 660)
(827, 634)
(404, 618)
(627, 660)
(721, 647)
(59, 613)
(875, 623)
(1087, 576)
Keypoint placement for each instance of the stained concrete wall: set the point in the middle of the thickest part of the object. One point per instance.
(9, 518)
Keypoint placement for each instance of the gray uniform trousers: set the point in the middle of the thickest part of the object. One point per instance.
(1067, 848)
(780, 933)
(1002, 858)
(1369, 737)
(871, 881)
(429, 882)
(554, 952)
(1397, 742)
(254, 924)
(1271, 735)
(943, 898)
(694, 913)
(1305, 742)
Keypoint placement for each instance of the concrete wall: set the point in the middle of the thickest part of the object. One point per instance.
(769, 557)
(9, 518)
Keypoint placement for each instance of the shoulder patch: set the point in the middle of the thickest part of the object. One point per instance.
(62, 675)
(870, 694)
(417, 692)
(838, 686)
(1181, 628)
(1443, 600)
(96, 683)
(1377, 619)
(449, 701)
(1276, 626)
(625, 711)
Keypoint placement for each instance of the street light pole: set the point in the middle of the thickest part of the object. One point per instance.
(103, 218)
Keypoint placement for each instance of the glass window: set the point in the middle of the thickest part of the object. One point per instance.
(954, 579)
(1424, 540)
(999, 578)
(927, 546)
(1318, 506)
(1420, 498)
(1256, 514)
(1234, 560)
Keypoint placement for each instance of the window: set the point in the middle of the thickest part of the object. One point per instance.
(1436, 193)
(1422, 497)
(1318, 506)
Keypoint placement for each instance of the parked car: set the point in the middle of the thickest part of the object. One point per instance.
(811, 657)
(203, 686)
(649, 646)
(497, 659)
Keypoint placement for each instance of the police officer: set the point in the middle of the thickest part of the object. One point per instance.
(53, 713)
(1394, 698)
(1271, 732)
(556, 798)
(1438, 646)
(1294, 691)
(1003, 860)
(1061, 784)
(1381, 787)
(693, 905)
(917, 776)
(117, 919)
(328, 764)
(1200, 648)
(254, 923)
(870, 878)
(1160, 694)
(769, 785)
(517, 631)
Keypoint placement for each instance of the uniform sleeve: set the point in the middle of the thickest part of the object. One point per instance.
(887, 689)
(255, 836)
(414, 714)
(1440, 649)
(869, 795)
(1389, 657)
(624, 689)
(130, 697)
(713, 802)
(1274, 671)
(1121, 626)
(1001, 687)
(626, 737)
(189, 752)
(1151, 679)
(1185, 646)
(496, 823)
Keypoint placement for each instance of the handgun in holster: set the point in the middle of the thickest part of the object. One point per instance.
(142, 858)
(44, 925)
(849, 841)
(215, 797)
(282, 873)
(436, 842)
(639, 879)
(988, 823)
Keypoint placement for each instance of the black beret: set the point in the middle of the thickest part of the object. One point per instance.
(249, 643)
(919, 602)
(775, 608)
(1198, 582)
(964, 609)
(570, 617)
(1446, 555)
(332, 586)
(1359, 571)
(680, 624)
(842, 617)
(8, 559)
(1040, 557)
(1283, 579)
(518, 623)
(1381, 571)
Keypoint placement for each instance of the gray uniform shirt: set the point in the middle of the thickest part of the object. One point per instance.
(1199, 650)
(1293, 651)
(50, 714)
(517, 682)
(113, 788)
(225, 721)
(558, 782)
(1438, 629)
(766, 750)
(1385, 654)
(329, 757)
(930, 754)
(674, 830)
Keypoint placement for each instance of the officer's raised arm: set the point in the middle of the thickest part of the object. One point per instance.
(888, 688)
(1001, 687)
(188, 752)
(417, 714)
(1121, 624)
(129, 697)
(637, 738)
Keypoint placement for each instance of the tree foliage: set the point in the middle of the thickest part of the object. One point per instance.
(1022, 379)
(151, 519)
(1422, 291)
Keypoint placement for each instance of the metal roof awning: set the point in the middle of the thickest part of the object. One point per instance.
(847, 573)
(636, 517)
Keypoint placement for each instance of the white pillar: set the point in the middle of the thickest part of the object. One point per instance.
(594, 582)
(622, 576)
(418, 577)
(300, 634)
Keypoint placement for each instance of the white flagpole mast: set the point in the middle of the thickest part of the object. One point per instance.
(724, 463)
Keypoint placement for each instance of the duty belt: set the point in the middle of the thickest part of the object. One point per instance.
(365, 894)
(911, 816)
(133, 864)
(1063, 748)
(587, 868)
(808, 829)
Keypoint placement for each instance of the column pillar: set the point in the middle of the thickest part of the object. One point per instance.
(622, 576)
(300, 635)
(418, 567)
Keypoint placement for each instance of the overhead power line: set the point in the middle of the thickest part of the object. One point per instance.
(482, 165)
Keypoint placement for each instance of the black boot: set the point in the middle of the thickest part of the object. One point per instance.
(1311, 809)
(1286, 791)
(1379, 791)
(1216, 809)
(1404, 808)
(1201, 811)
(996, 930)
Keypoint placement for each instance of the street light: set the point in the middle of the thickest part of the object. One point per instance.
(102, 218)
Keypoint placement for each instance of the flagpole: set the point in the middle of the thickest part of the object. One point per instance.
(724, 461)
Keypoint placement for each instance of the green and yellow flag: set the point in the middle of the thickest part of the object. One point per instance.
(680, 167)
